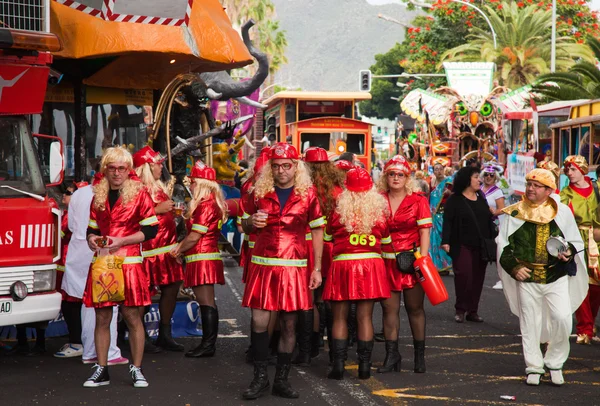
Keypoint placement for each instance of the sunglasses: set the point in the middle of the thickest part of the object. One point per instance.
(120, 169)
(285, 167)
(395, 175)
(489, 175)
(67, 193)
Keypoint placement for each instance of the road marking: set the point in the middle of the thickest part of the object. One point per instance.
(232, 287)
(394, 394)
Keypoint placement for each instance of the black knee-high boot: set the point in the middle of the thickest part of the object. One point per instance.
(210, 331)
(339, 351)
(305, 327)
(364, 350)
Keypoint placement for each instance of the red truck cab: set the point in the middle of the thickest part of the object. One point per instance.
(29, 164)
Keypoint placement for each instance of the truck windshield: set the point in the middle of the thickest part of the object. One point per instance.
(19, 165)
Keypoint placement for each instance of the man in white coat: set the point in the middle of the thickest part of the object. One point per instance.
(542, 290)
(77, 266)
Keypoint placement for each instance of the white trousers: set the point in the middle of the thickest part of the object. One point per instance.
(533, 297)
(88, 326)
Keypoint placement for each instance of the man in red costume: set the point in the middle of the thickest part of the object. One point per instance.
(284, 204)
(582, 198)
(121, 217)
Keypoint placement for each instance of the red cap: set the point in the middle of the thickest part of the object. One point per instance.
(315, 154)
(283, 150)
(201, 171)
(81, 184)
(146, 155)
(397, 163)
(358, 180)
(344, 165)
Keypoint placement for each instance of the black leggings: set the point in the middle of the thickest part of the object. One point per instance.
(72, 313)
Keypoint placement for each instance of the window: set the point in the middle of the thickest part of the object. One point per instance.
(355, 143)
(564, 144)
(321, 140)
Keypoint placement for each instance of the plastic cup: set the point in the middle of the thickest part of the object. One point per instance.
(263, 214)
(178, 208)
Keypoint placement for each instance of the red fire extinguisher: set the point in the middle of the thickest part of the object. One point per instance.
(430, 279)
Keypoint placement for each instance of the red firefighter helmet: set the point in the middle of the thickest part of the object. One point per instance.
(283, 150)
(146, 155)
(344, 165)
(201, 171)
(315, 155)
(358, 180)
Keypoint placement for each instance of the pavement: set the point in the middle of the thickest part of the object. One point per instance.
(470, 363)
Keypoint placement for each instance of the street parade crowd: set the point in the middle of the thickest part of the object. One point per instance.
(323, 243)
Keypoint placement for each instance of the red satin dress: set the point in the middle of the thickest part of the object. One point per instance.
(249, 239)
(65, 237)
(160, 265)
(412, 215)
(327, 258)
(278, 276)
(358, 271)
(121, 221)
(203, 263)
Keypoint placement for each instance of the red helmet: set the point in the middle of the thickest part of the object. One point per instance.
(81, 184)
(146, 155)
(315, 154)
(358, 180)
(344, 165)
(283, 150)
(201, 171)
(262, 159)
(397, 163)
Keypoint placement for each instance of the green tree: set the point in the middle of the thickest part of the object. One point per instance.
(523, 44)
(582, 81)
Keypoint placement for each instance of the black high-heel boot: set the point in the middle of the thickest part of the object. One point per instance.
(210, 331)
(339, 348)
(165, 339)
(419, 356)
(364, 350)
(305, 326)
(392, 358)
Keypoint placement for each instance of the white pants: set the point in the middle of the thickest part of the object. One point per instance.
(533, 298)
(88, 326)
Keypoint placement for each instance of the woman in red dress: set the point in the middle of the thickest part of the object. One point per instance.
(284, 204)
(328, 181)
(122, 212)
(163, 269)
(358, 227)
(409, 224)
(203, 264)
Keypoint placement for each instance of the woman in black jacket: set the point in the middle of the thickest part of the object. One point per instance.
(465, 211)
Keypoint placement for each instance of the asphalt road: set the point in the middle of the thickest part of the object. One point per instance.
(472, 363)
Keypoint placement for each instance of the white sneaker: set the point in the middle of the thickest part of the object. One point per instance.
(139, 380)
(533, 379)
(69, 351)
(557, 377)
(498, 285)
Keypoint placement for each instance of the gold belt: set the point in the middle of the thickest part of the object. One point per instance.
(538, 271)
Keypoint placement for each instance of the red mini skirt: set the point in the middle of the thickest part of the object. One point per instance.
(398, 280)
(163, 269)
(278, 288)
(204, 272)
(137, 288)
(361, 279)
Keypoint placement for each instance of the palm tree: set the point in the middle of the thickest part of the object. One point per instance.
(582, 81)
(524, 41)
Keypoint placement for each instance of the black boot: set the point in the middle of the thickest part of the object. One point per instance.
(210, 330)
(281, 386)
(322, 325)
(339, 349)
(392, 358)
(260, 384)
(149, 346)
(305, 325)
(419, 356)
(165, 339)
(352, 326)
(274, 347)
(329, 323)
(315, 344)
(365, 348)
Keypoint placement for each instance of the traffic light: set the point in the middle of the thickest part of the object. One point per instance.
(378, 130)
(271, 129)
(365, 81)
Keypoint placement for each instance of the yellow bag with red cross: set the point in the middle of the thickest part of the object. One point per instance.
(108, 284)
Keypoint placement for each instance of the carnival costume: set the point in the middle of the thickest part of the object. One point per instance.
(584, 205)
(549, 292)
(437, 198)
(122, 220)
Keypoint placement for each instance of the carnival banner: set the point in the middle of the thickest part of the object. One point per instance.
(519, 165)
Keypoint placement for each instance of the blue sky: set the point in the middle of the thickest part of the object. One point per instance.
(595, 4)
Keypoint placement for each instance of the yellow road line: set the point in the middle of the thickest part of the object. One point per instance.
(392, 393)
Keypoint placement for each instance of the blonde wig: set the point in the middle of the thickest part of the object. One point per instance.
(203, 188)
(265, 183)
(410, 186)
(154, 186)
(130, 188)
(361, 211)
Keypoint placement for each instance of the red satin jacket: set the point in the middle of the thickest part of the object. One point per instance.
(412, 215)
(206, 220)
(345, 243)
(167, 230)
(284, 237)
(123, 220)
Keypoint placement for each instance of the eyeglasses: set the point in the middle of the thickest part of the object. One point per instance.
(120, 169)
(489, 175)
(395, 175)
(285, 167)
(534, 185)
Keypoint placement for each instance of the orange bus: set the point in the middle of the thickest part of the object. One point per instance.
(319, 119)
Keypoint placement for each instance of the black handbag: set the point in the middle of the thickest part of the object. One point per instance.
(405, 261)
(488, 247)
